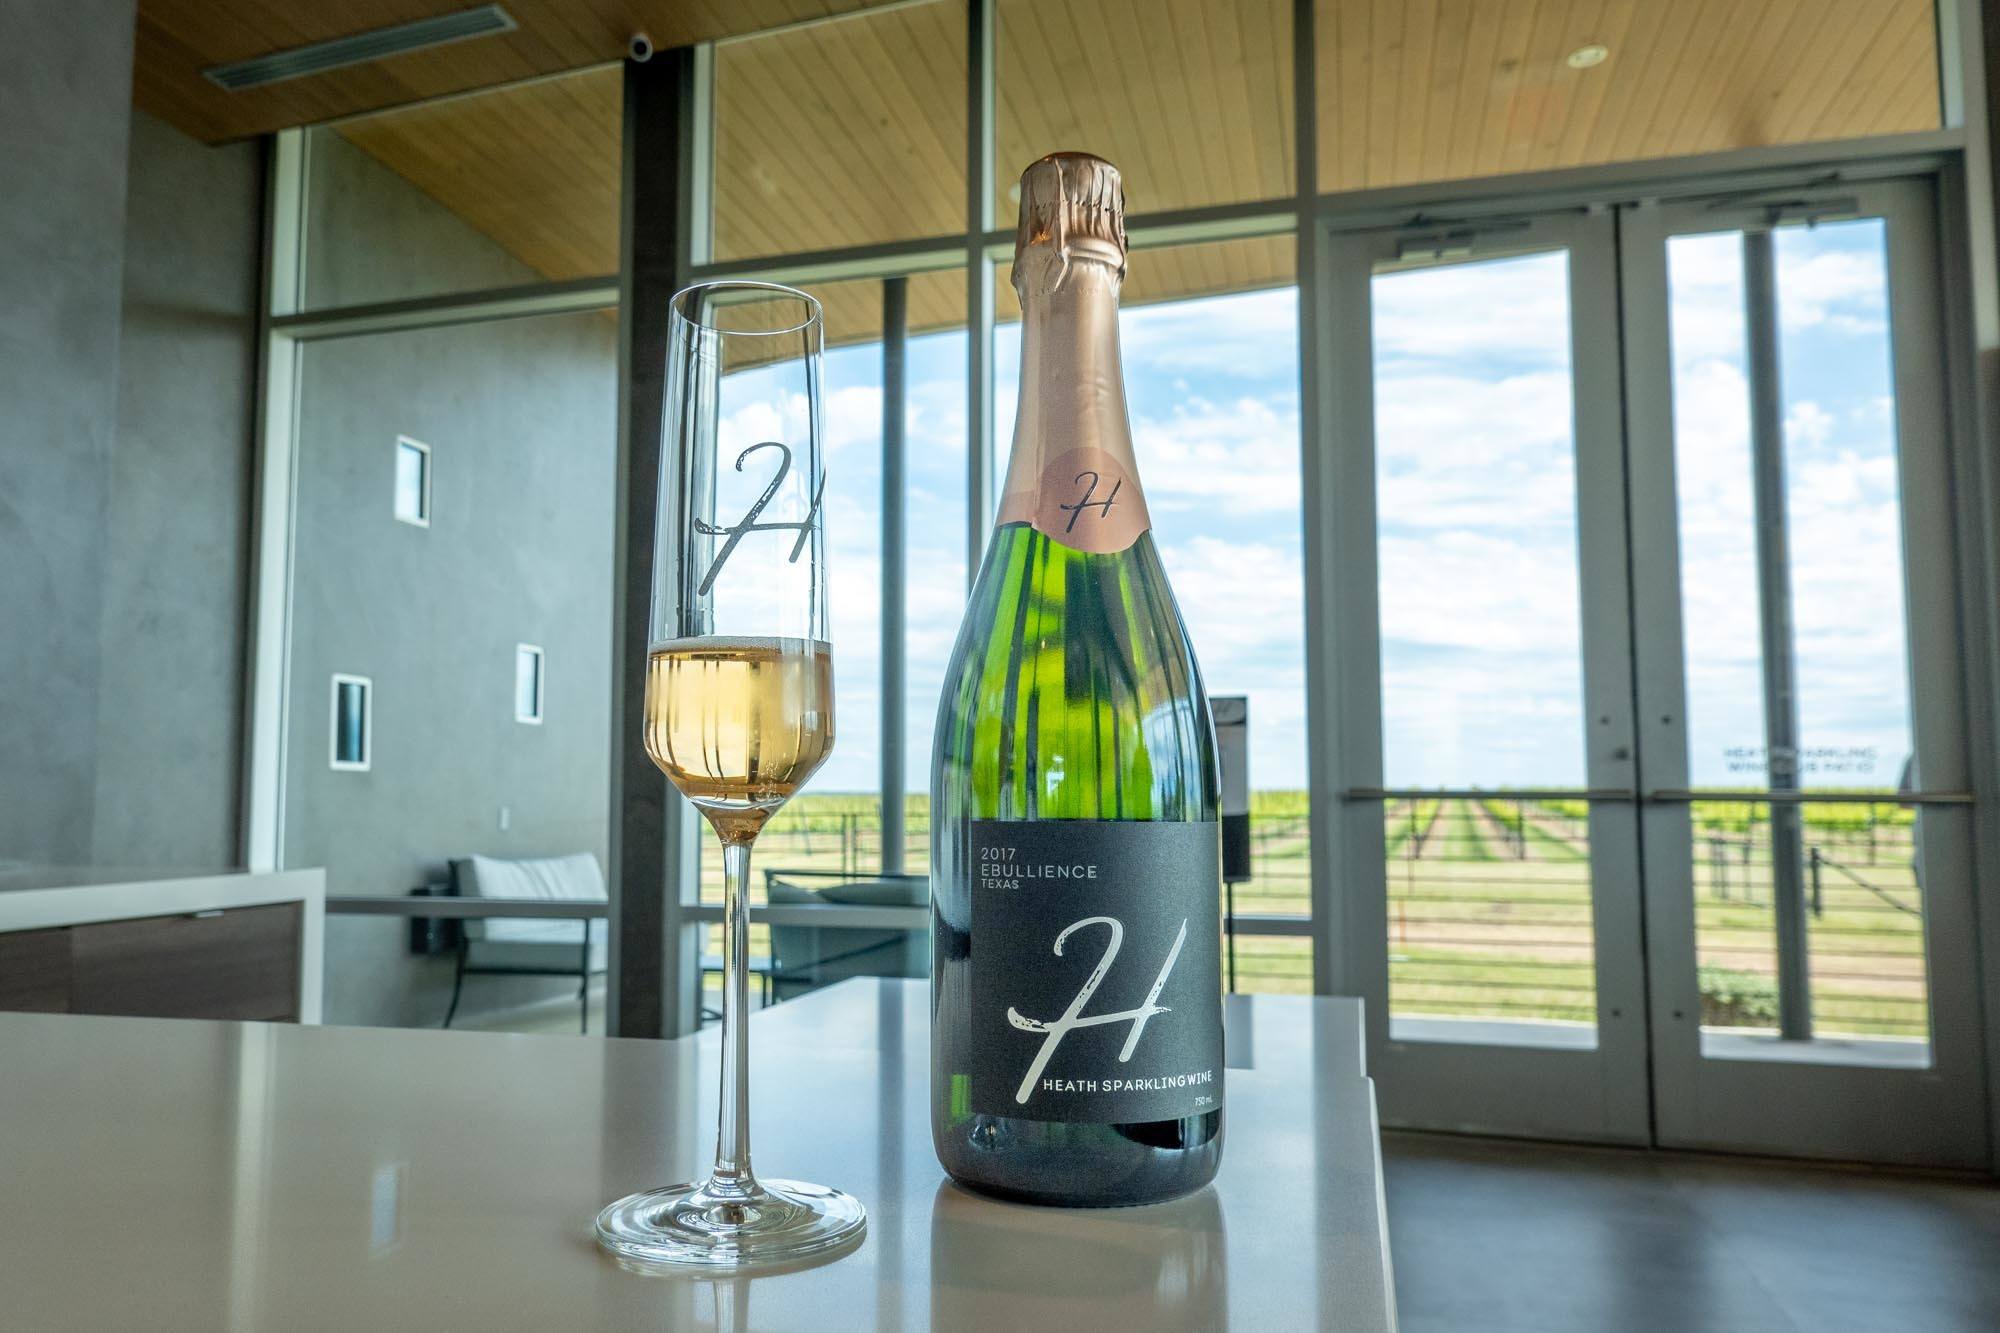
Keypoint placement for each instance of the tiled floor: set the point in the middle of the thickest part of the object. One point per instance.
(1494, 1237)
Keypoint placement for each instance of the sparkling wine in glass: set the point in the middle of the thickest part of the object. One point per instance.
(739, 709)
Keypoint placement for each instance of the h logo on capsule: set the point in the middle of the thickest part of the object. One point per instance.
(750, 524)
(1073, 1018)
(1103, 507)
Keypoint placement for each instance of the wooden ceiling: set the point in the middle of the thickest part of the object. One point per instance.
(177, 39)
(1191, 98)
(1432, 90)
(841, 134)
(851, 132)
(535, 166)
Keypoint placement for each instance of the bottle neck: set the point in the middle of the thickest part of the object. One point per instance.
(1072, 474)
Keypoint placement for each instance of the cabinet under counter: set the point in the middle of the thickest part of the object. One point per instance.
(230, 945)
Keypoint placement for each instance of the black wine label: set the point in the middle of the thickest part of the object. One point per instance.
(1096, 970)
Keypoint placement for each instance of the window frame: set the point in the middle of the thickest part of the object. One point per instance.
(523, 652)
(422, 518)
(1958, 154)
(366, 762)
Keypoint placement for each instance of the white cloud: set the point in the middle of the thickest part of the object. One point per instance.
(1829, 278)
(853, 415)
(1807, 424)
(1196, 338)
(1843, 525)
(1455, 451)
(1845, 287)
(1242, 456)
(1494, 310)
(1244, 607)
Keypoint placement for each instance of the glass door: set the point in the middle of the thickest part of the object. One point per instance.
(1802, 751)
(1488, 834)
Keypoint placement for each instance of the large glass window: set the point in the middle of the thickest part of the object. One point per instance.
(1842, 642)
(850, 131)
(1212, 382)
(1489, 897)
(835, 827)
(1432, 90)
(934, 526)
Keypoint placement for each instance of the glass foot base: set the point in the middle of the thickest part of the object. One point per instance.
(703, 1228)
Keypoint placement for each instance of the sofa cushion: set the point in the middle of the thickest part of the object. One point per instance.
(912, 892)
(574, 878)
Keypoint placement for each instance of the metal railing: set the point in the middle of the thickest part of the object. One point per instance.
(1489, 905)
(849, 842)
(1490, 912)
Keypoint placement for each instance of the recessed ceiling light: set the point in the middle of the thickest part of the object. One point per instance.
(1586, 56)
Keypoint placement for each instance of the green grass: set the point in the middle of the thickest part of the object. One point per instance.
(1477, 930)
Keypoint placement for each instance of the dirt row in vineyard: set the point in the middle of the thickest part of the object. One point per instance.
(1501, 844)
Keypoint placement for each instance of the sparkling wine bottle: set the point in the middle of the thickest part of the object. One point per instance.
(1075, 856)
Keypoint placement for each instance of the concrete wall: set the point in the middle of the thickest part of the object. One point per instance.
(127, 371)
(372, 236)
(65, 105)
(521, 418)
(177, 538)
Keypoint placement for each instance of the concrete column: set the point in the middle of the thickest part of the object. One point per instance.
(65, 115)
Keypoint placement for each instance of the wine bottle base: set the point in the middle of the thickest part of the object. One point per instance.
(1039, 1199)
(1114, 1167)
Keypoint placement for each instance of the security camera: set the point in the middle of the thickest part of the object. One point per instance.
(640, 48)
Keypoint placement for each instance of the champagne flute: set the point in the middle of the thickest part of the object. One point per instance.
(739, 708)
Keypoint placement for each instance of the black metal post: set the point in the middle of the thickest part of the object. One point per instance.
(1229, 912)
(979, 205)
(1774, 588)
(895, 339)
(655, 972)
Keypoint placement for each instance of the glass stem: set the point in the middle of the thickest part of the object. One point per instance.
(732, 1138)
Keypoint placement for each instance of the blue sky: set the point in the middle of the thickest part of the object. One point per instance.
(1842, 498)
(1477, 515)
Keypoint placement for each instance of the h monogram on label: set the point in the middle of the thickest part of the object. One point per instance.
(1072, 1017)
(1089, 500)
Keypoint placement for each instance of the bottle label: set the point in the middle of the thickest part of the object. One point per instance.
(1096, 970)
(1087, 500)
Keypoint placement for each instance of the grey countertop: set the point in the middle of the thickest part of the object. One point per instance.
(167, 1175)
(15, 877)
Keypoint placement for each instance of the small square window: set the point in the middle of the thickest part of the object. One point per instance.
(527, 683)
(413, 481)
(353, 723)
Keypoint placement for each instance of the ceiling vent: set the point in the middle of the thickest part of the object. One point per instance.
(397, 40)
